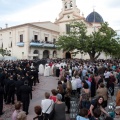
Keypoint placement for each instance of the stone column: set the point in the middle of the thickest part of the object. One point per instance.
(40, 53)
(51, 54)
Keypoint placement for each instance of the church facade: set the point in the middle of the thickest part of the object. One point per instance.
(37, 40)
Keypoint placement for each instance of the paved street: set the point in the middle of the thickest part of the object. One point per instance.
(45, 85)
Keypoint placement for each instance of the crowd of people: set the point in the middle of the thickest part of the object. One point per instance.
(93, 82)
(90, 82)
(16, 81)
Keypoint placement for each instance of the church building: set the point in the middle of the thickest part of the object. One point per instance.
(37, 40)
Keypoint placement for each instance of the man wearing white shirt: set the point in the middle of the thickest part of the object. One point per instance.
(74, 85)
(107, 76)
(47, 105)
(79, 83)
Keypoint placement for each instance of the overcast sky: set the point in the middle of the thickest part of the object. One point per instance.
(14, 12)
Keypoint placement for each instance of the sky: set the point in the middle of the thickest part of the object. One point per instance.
(15, 12)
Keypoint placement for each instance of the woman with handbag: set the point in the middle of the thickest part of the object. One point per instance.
(47, 106)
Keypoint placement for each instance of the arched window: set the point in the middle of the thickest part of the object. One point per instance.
(35, 52)
(54, 54)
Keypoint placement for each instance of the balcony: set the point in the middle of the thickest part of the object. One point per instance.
(34, 44)
(20, 44)
(33, 55)
(48, 45)
(42, 44)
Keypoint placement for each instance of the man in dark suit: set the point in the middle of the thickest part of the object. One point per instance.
(1, 99)
(10, 90)
(26, 94)
(18, 84)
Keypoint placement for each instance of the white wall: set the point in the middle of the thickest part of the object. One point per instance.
(48, 25)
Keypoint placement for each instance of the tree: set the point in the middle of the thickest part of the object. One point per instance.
(102, 40)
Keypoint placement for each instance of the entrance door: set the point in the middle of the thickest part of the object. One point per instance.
(45, 54)
(68, 55)
(35, 52)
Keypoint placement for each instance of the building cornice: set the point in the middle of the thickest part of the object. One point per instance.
(29, 25)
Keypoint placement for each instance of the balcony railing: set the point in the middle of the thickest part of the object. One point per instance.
(33, 55)
(42, 44)
(20, 44)
(48, 45)
(33, 44)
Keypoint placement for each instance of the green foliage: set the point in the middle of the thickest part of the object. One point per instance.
(101, 40)
(4, 52)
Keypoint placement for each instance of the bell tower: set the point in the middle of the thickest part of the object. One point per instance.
(69, 11)
(69, 4)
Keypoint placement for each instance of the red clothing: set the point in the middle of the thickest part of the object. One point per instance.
(53, 98)
(112, 80)
(90, 79)
(50, 64)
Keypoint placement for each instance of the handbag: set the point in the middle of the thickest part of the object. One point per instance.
(51, 115)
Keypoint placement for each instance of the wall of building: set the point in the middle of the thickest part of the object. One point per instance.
(48, 25)
(41, 36)
(21, 52)
(13, 36)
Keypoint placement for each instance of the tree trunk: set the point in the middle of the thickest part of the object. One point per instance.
(92, 56)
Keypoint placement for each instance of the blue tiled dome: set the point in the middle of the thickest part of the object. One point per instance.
(94, 17)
